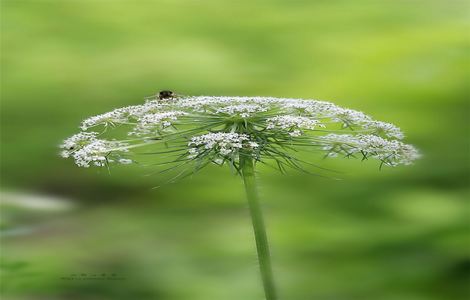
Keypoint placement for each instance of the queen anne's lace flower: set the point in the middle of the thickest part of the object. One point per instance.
(236, 131)
(86, 149)
(81, 138)
(153, 122)
(293, 124)
(242, 110)
(220, 129)
(391, 152)
(388, 129)
(123, 115)
(221, 143)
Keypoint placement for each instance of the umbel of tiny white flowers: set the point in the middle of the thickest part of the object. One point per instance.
(205, 129)
(235, 131)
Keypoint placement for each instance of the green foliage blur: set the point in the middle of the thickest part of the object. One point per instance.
(394, 234)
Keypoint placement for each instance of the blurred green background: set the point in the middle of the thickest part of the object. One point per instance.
(394, 234)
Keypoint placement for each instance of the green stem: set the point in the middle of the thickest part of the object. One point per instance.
(262, 247)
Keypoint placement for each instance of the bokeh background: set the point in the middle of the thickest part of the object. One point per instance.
(394, 234)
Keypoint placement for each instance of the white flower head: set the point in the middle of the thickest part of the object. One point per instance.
(293, 124)
(387, 129)
(153, 122)
(86, 149)
(390, 152)
(220, 143)
(242, 110)
(222, 129)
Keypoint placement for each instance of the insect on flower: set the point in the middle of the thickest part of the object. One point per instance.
(165, 94)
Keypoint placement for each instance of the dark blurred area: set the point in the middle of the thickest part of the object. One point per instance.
(393, 234)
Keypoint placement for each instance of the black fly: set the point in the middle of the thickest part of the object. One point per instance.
(166, 95)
